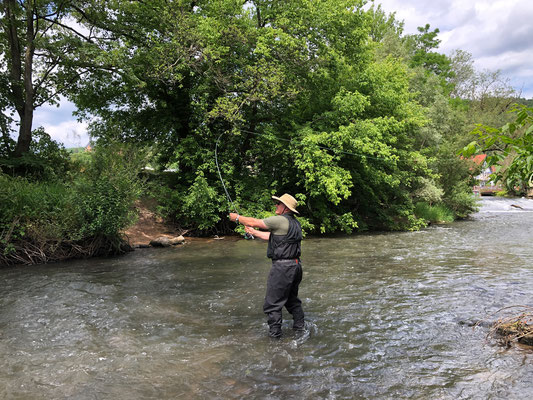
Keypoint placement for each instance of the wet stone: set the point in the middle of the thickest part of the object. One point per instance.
(164, 241)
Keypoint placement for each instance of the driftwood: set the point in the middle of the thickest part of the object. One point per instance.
(516, 327)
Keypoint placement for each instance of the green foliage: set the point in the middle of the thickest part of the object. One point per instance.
(95, 203)
(45, 160)
(285, 80)
(31, 209)
(80, 161)
(382, 25)
(107, 190)
(422, 45)
(200, 205)
(320, 99)
(438, 213)
(509, 148)
(456, 180)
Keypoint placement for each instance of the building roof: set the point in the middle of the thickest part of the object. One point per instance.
(479, 158)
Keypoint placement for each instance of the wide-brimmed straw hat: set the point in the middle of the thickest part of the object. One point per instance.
(289, 201)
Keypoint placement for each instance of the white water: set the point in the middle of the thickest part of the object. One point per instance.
(498, 204)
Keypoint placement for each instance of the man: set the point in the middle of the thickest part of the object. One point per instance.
(284, 234)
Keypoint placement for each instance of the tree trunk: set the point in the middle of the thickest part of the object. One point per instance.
(21, 79)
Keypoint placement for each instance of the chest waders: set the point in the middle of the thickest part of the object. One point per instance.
(284, 278)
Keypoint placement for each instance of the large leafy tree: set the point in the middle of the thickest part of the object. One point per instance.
(423, 46)
(42, 56)
(433, 76)
(293, 89)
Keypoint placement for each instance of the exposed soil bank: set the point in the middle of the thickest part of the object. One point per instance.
(150, 227)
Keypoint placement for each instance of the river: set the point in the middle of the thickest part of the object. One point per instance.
(389, 317)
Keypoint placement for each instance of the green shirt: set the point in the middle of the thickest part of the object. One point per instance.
(277, 225)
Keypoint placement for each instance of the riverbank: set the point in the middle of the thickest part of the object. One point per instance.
(150, 227)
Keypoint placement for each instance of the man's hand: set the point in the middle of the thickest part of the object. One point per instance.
(248, 221)
(256, 233)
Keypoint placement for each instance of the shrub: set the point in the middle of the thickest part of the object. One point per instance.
(54, 220)
(107, 189)
(434, 213)
(46, 159)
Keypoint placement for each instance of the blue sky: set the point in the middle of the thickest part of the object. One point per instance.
(498, 34)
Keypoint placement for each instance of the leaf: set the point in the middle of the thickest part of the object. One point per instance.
(469, 149)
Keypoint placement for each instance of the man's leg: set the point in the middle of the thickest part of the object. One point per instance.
(278, 288)
(294, 304)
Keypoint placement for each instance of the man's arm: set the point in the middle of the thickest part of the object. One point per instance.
(248, 221)
(258, 234)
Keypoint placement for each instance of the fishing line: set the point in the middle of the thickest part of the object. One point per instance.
(246, 235)
(220, 176)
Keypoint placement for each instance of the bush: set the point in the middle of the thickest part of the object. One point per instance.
(434, 213)
(53, 220)
(32, 214)
(461, 202)
(46, 159)
(107, 189)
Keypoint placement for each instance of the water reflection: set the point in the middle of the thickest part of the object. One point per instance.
(387, 319)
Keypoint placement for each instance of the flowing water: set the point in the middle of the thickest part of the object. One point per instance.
(389, 317)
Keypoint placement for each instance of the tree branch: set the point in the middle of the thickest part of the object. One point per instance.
(65, 87)
(97, 24)
(40, 82)
(56, 22)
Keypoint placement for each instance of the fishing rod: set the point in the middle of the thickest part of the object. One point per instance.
(246, 235)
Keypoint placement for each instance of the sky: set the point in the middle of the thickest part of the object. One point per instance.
(61, 125)
(498, 34)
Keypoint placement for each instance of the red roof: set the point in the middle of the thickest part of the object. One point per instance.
(479, 158)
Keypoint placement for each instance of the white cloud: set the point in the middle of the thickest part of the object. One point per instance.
(61, 125)
(496, 32)
(71, 133)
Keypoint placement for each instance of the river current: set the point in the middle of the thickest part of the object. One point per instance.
(389, 317)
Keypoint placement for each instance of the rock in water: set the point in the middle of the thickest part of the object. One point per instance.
(164, 241)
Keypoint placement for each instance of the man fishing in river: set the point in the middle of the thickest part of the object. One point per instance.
(284, 235)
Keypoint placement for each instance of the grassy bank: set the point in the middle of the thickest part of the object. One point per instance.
(436, 214)
(79, 214)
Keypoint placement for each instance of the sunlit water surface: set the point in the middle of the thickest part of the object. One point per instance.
(388, 314)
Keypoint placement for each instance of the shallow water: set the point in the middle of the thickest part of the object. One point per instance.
(388, 318)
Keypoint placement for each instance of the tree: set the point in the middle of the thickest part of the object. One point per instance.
(422, 55)
(509, 148)
(382, 24)
(41, 53)
(294, 88)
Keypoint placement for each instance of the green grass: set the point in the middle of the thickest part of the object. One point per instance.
(437, 214)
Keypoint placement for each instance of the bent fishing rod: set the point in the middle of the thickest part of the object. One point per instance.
(246, 235)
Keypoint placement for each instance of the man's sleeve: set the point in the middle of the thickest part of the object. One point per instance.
(272, 223)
